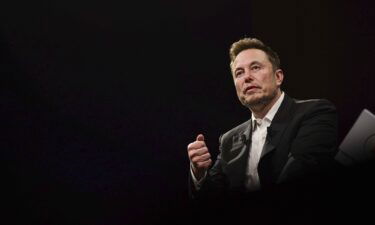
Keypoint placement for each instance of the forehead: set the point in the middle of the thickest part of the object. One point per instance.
(249, 56)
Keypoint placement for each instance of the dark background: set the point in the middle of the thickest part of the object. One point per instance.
(99, 99)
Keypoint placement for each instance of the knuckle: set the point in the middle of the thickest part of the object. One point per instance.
(190, 146)
(202, 144)
(192, 153)
(200, 152)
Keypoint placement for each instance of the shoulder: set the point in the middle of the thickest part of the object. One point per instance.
(315, 112)
(314, 105)
(308, 102)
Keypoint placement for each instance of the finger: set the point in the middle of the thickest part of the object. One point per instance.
(201, 158)
(200, 137)
(196, 145)
(197, 152)
(204, 164)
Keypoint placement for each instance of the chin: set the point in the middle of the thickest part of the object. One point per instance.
(253, 101)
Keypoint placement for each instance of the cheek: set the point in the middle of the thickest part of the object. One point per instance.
(268, 82)
(238, 85)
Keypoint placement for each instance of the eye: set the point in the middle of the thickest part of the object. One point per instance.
(255, 67)
(238, 73)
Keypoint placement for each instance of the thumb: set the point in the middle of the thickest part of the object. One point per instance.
(200, 137)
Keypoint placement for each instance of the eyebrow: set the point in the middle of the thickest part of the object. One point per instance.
(252, 63)
(255, 62)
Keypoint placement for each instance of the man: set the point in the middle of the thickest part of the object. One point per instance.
(283, 140)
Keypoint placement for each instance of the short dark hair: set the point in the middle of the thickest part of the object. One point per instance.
(253, 43)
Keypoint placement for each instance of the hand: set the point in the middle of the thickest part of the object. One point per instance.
(199, 157)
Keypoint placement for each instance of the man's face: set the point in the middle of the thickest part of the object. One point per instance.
(255, 80)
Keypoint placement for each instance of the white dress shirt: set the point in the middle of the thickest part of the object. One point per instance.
(258, 139)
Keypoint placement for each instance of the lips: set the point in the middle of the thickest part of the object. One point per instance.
(250, 88)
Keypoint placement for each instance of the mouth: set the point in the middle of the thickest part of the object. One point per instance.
(251, 88)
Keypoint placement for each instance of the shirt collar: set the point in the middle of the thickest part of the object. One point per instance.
(271, 113)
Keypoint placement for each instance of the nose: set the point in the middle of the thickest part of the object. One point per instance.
(248, 76)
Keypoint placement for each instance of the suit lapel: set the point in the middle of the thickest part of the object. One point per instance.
(240, 144)
(238, 157)
(279, 123)
(242, 140)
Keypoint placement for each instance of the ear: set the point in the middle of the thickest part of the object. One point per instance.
(279, 75)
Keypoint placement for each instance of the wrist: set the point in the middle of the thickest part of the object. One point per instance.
(198, 173)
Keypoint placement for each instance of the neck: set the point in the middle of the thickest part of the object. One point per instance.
(260, 110)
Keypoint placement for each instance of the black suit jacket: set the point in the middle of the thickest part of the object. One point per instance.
(301, 139)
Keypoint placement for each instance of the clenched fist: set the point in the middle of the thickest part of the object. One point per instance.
(199, 157)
